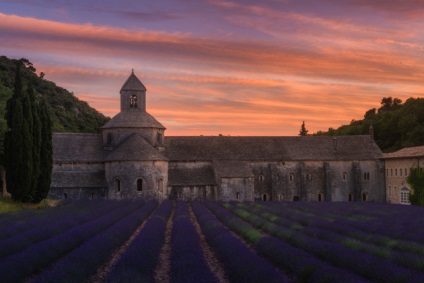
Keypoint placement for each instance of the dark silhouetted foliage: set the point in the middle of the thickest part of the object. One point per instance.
(396, 125)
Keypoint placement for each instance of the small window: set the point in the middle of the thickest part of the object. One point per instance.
(406, 172)
(291, 177)
(160, 185)
(159, 138)
(308, 177)
(366, 175)
(237, 196)
(319, 197)
(280, 197)
(400, 172)
(133, 101)
(117, 185)
(404, 196)
(364, 196)
(345, 176)
(396, 172)
(109, 138)
(391, 172)
(139, 185)
(261, 178)
(390, 191)
(350, 197)
(65, 195)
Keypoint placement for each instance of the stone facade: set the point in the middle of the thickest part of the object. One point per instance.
(132, 158)
(398, 167)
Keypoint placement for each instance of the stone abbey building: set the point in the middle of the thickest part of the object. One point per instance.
(133, 158)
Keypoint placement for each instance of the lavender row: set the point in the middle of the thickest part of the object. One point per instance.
(40, 233)
(376, 269)
(240, 263)
(83, 262)
(374, 217)
(27, 220)
(187, 260)
(352, 238)
(140, 259)
(302, 265)
(395, 238)
(39, 256)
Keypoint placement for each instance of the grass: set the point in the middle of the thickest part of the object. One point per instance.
(7, 205)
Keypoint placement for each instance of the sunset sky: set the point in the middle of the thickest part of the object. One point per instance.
(226, 67)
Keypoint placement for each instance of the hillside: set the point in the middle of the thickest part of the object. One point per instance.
(396, 125)
(68, 113)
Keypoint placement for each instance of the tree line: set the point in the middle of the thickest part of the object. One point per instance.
(27, 143)
(396, 124)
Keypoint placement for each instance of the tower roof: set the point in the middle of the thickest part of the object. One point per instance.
(133, 83)
(133, 119)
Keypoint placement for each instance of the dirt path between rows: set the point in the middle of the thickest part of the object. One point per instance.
(210, 257)
(103, 271)
(163, 267)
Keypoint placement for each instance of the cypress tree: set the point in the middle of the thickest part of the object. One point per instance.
(36, 143)
(46, 152)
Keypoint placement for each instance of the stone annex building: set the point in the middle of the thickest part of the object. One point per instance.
(133, 158)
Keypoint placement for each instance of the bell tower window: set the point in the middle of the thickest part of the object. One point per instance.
(133, 101)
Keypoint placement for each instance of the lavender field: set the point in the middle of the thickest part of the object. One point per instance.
(176, 241)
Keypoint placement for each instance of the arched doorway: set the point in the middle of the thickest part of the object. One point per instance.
(265, 197)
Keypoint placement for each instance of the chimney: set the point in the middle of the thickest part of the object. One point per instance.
(371, 131)
(334, 143)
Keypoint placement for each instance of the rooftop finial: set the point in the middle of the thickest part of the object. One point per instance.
(132, 71)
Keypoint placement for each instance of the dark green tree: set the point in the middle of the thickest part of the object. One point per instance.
(46, 152)
(303, 131)
(18, 150)
(416, 181)
(36, 142)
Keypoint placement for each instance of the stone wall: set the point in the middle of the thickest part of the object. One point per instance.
(397, 171)
(137, 179)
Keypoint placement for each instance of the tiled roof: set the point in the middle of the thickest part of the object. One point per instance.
(135, 148)
(133, 119)
(78, 179)
(133, 83)
(189, 177)
(204, 148)
(232, 169)
(417, 151)
(70, 147)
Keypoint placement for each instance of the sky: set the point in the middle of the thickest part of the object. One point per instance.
(239, 68)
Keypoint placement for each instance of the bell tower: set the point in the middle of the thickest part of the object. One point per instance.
(133, 95)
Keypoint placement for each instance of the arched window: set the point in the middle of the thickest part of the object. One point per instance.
(308, 177)
(319, 197)
(139, 185)
(291, 177)
(133, 101)
(261, 178)
(404, 196)
(160, 185)
(364, 196)
(345, 176)
(350, 197)
(117, 185)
